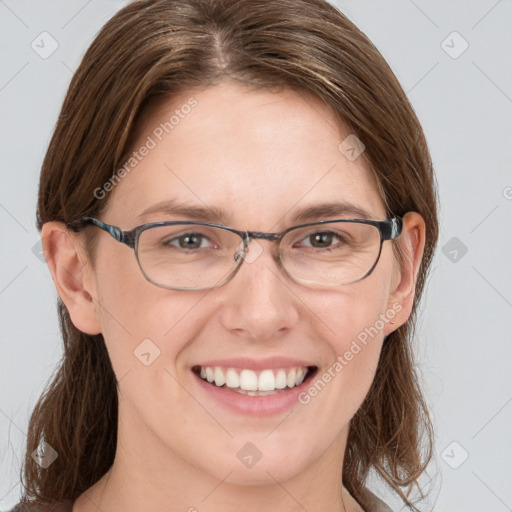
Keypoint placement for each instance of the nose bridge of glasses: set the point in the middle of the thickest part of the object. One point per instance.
(250, 236)
(263, 236)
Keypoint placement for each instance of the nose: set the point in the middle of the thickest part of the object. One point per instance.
(259, 303)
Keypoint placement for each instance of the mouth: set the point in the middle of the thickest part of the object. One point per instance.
(255, 383)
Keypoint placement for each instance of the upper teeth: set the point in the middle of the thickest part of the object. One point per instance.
(249, 380)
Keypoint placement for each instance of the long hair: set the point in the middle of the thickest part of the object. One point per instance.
(151, 50)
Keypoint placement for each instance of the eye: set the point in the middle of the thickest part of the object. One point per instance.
(323, 239)
(187, 241)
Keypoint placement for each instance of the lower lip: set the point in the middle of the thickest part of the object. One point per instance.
(253, 405)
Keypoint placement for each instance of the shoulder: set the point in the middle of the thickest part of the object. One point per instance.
(374, 504)
(27, 506)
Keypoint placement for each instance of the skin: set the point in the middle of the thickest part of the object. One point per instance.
(174, 447)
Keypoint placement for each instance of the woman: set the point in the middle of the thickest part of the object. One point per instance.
(238, 210)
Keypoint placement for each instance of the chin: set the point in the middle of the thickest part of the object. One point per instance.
(259, 463)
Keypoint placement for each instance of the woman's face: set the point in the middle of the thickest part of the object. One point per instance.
(260, 158)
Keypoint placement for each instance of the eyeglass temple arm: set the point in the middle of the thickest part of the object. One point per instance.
(125, 237)
(391, 228)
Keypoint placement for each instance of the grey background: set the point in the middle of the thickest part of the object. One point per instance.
(464, 101)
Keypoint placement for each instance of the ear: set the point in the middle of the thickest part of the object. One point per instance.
(72, 274)
(412, 243)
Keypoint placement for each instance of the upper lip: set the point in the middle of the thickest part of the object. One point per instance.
(256, 364)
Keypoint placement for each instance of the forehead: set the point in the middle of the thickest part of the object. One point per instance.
(259, 156)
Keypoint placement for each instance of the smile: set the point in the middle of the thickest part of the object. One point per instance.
(251, 382)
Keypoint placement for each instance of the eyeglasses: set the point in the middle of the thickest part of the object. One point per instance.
(197, 255)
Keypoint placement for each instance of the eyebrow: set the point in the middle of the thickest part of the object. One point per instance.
(221, 216)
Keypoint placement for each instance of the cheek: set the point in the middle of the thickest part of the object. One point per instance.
(139, 320)
(353, 322)
(355, 313)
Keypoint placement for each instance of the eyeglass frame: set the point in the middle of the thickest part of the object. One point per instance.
(388, 229)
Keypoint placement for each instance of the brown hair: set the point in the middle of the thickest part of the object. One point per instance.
(158, 48)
